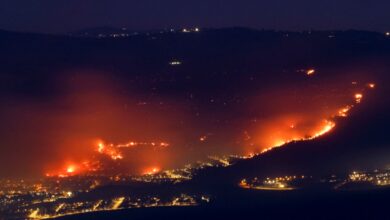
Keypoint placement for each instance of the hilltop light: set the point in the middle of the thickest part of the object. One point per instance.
(175, 63)
(388, 34)
(310, 72)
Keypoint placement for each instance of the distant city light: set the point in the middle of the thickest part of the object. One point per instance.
(186, 30)
(175, 63)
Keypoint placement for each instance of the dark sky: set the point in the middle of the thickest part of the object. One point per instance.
(68, 15)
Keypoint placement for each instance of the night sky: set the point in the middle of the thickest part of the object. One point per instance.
(58, 16)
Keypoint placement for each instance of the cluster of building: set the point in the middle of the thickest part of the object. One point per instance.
(124, 32)
(276, 183)
(55, 197)
(376, 177)
(65, 208)
(189, 170)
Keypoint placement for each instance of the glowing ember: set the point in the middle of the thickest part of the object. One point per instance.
(279, 143)
(109, 151)
(112, 150)
(358, 97)
(325, 127)
(344, 111)
(273, 133)
(142, 144)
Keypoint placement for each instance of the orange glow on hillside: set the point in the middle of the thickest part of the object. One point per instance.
(328, 126)
(109, 151)
(343, 112)
(70, 169)
(114, 152)
(67, 171)
(100, 147)
(296, 114)
(284, 138)
(151, 171)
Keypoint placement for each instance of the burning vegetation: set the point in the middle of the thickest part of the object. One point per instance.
(281, 126)
(167, 134)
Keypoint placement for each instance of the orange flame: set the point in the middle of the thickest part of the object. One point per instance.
(358, 97)
(151, 171)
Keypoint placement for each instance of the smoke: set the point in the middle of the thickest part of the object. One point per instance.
(61, 128)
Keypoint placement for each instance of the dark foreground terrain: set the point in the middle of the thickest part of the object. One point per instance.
(371, 204)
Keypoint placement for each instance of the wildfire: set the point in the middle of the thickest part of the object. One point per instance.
(344, 111)
(328, 126)
(114, 153)
(152, 170)
(275, 133)
(358, 97)
(144, 144)
(279, 143)
(67, 171)
(100, 147)
(70, 169)
(109, 151)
